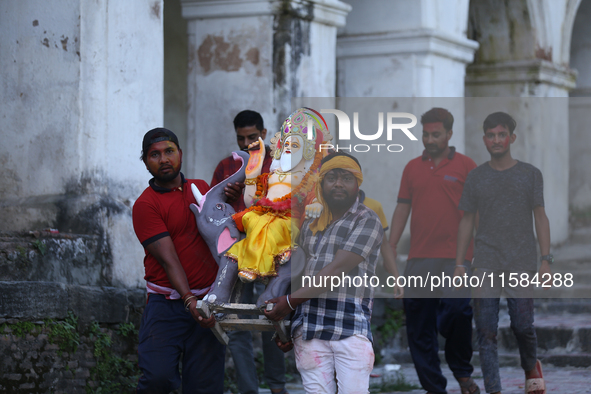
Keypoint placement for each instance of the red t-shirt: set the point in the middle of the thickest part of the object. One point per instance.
(434, 194)
(160, 212)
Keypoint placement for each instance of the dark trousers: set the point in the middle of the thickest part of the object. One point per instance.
(486, 317)
(167, 333)
(426, 317)
(242, 352)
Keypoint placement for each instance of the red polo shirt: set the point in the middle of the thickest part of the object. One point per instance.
(434, 194)
(161, 212)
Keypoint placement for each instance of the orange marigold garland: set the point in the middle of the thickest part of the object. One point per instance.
(309, 181)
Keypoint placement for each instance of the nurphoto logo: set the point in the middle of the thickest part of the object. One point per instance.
(345, 131)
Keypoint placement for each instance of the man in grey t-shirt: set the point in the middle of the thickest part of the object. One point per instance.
(505, 201)
(505, 193)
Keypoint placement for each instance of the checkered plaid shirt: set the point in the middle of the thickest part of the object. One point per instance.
(348, 310)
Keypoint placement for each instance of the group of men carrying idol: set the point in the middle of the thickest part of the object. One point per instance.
(300, 200)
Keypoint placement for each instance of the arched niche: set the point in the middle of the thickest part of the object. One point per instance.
(580, 50)
(580, 111)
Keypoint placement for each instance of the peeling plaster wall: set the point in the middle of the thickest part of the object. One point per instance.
(257, 55)
(230, 69)
(40, 64)
(82, 83)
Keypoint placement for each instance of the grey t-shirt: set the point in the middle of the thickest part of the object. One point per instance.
(504, 201)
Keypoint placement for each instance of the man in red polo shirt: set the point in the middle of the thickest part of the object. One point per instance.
(179, 269)
(431, 187)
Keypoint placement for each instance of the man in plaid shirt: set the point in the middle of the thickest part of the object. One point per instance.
(332, 333)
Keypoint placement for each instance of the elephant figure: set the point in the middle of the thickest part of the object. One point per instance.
(214, 221)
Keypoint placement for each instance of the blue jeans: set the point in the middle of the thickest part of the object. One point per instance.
(486, 317)
(426, 317)
(241, 348)
(168, 332)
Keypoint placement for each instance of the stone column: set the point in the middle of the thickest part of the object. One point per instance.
(399, 48)
(253, 54)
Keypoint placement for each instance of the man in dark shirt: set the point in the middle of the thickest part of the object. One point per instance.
(179, 270)
(506, 194)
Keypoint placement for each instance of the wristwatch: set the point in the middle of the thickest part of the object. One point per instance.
(549, 258)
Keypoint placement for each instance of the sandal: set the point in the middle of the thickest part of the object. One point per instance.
(536, 384)
(469, 387)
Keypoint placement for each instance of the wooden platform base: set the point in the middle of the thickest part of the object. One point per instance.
(231, 321)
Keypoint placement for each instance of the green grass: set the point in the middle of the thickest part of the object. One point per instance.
(65, 333)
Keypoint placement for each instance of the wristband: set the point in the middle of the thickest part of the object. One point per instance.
(289, 303)
(250, 181)
(460, 265)
(549, 258)
(188, 302)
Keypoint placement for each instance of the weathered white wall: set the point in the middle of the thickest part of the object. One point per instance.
(230, 69)
(82, 83)
(253, 55)
(40, 66)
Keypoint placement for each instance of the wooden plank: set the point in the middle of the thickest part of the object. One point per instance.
(247, 325)
(239, 309)
(219, 333)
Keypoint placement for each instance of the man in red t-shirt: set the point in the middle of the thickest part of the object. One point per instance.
(431, 187)
(249, 126)
(179, 269)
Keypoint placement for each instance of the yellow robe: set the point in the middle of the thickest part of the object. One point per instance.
(267, 242)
